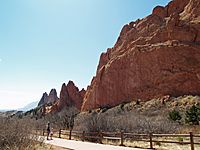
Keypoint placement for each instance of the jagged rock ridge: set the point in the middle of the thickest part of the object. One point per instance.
(155, 56)
(48, 99)
(70, 96)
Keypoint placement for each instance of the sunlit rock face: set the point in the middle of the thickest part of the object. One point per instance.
(71, 96)
(155, 56)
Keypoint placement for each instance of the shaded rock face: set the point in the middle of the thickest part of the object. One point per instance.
(52, 96)
(47, 99)
(43, 100)
(70, 96)
(155, 56)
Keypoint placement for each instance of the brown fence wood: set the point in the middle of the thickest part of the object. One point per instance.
(83, 136)
(59, 133)
(122, 138)
(127, 136)
(196, 135)
(133, 134)
(70, 134)
(150, 140)
(191, 141)
(112, 138)
(100, 137)
(170, 135)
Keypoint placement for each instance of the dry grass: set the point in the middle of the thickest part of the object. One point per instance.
(129, 121)
(16, 135)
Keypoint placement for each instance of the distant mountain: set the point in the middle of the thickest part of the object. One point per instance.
(28, 106)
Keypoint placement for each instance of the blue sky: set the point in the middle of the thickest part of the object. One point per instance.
(44, 43)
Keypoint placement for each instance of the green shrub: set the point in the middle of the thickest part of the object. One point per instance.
(193, 115)
(175, 115)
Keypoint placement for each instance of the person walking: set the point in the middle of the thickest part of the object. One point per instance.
(51, 134)
(48, 130)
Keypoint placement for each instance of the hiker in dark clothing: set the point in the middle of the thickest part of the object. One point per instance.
(48, 130)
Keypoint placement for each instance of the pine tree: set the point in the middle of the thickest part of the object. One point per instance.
(175, 115)
(193, 115)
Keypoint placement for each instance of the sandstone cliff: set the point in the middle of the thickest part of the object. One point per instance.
(155, 56)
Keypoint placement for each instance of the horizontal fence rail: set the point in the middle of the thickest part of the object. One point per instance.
(122, 136)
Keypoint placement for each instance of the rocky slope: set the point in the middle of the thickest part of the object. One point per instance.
(155, 56)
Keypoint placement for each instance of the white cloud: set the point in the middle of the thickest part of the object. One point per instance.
(1, 60)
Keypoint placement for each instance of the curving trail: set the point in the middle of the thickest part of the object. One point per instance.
(78, 145)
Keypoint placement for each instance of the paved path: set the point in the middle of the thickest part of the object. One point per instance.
(78, 145)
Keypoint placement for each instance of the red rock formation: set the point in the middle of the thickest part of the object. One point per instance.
(82, 94)
(160, 11)
(155, 56)
(70, 96)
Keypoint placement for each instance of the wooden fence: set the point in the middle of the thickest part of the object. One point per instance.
(184, 139)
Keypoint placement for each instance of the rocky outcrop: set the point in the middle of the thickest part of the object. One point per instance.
(155, 56)
(43, 100)
(48, 99)
(70, 96)
(52, 98)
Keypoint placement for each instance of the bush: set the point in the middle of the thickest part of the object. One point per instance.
(114, 121)
(175, 115)
(193, 115)
(16, 135)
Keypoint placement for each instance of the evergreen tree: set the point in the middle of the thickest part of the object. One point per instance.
(193, 115)
(175, 115)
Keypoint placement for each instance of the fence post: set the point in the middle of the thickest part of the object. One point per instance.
(70, 134)
(43, 131)
(100, 137)
(192, 141)
(122, 138)
(150, 140)
(83, 136)
(59, 133)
